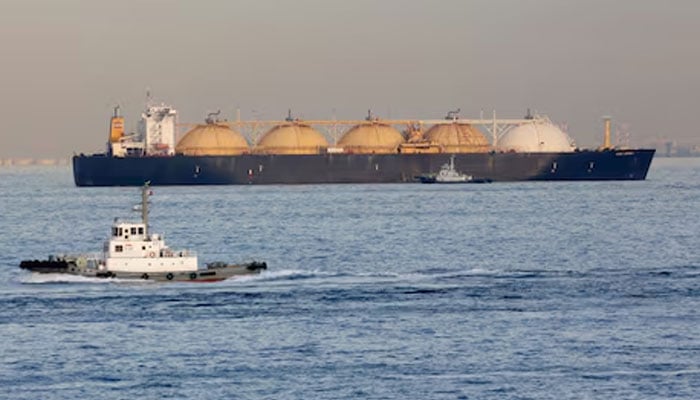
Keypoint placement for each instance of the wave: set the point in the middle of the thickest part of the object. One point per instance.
(278, 275)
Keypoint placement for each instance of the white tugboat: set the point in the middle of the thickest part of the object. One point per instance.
(132, 252)
(448, 174)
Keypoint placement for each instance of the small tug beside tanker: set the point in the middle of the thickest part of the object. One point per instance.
(448, 174)
(293, 151)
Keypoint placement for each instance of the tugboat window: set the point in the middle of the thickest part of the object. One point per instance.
(118, 248)
(140, 230)
(133, 231)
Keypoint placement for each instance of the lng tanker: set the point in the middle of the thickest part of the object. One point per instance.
(292, 151)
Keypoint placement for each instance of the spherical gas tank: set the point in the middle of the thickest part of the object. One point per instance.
(458, 138)
(372, 137)
(212, 139)
(292, 138)
(536, 137)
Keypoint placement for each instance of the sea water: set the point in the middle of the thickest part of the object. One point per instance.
(529, 290)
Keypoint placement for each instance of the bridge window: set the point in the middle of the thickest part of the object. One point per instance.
(118, 248)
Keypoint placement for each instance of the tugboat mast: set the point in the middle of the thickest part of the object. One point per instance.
(145, 192)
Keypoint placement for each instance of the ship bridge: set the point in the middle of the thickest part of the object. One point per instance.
(131, 240)
(126, 231)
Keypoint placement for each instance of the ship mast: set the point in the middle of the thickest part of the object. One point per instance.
(145, 192)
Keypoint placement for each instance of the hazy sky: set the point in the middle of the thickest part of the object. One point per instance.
(65, 64)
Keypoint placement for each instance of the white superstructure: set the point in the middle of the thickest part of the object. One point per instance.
(155, 135)
(157, 129)
(132, 248)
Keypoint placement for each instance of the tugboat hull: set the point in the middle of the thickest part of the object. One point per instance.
(433, 179)
(213, 273)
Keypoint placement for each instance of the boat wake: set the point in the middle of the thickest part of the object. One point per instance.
(285, 274)
(279, 275)
(38, 279)
(275, 277)
(342, 278)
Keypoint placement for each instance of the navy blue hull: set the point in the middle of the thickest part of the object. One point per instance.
(102, 170)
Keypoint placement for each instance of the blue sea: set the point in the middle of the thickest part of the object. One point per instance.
(549, 290)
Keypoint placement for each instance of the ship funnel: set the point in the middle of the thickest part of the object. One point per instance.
(116, 127)
(606, 137)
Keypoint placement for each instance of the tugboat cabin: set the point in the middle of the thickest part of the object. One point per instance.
(130, 248)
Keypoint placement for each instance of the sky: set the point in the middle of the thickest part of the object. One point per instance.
(66, 64)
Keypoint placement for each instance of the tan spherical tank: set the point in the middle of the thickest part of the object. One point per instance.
(212, 140)
(458, 138)
(292, 138)
(373, 137)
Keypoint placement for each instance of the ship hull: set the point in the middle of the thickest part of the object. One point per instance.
(102, 170)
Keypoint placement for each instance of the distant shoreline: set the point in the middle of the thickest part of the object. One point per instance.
(26, 161)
